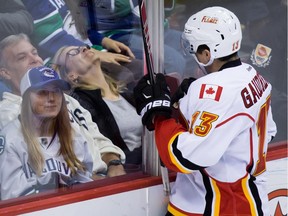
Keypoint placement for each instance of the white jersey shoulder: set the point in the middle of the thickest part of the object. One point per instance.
(230, 92)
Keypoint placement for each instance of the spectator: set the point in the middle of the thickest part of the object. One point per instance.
(14, 19)
(49, 154)
(119, 20)
(54, 28)
(110, 107)
(17, 55)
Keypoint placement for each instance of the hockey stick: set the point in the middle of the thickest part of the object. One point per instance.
(150, 69)
(146, 40)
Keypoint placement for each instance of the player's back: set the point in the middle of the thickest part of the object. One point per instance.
(230, 124)
(232, 109)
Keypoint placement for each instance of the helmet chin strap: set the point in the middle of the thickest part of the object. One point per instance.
(201, 65)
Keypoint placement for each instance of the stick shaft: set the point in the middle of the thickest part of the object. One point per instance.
(150, 69)
(146, 40)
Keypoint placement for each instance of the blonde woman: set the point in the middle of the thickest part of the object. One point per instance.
(41, 149)
(111, 107)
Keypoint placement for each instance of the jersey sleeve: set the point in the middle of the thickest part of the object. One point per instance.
(49, 31)
(9, 108)
(12, 177)
(167, 132)
(87, 160)
(272, 128)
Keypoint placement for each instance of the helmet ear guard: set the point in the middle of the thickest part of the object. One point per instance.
(186, 46)
(216, 27)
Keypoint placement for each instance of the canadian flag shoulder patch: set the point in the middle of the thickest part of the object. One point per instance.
(210, 91)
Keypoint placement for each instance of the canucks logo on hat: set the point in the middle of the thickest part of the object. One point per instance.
(41, 76)
(48, 72)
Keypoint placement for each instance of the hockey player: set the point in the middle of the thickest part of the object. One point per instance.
(220, 153)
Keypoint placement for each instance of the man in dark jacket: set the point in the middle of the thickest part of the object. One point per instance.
(14, 18)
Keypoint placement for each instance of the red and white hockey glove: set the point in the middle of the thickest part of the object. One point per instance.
(152, 100)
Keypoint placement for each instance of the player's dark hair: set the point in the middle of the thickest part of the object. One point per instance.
(203, 47)
(227, 58)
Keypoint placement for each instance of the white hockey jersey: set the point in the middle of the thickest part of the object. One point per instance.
(17, 176)
(10, 108)
(220, 154)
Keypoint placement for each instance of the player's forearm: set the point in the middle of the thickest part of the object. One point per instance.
(166, 132)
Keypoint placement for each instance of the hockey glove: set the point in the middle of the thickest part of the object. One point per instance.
(182, 90)
(152, 100)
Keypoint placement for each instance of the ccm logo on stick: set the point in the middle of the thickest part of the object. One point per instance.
(156, 103)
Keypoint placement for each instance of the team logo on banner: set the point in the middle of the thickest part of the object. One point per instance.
(2, 144)
(209, 91)
(261, 55)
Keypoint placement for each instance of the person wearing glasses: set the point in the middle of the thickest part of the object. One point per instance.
(49, 154)
(54, 27)
(17, 56)
(61, 31)
(111, 106)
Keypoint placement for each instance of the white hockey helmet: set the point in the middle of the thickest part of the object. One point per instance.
(216, 27)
